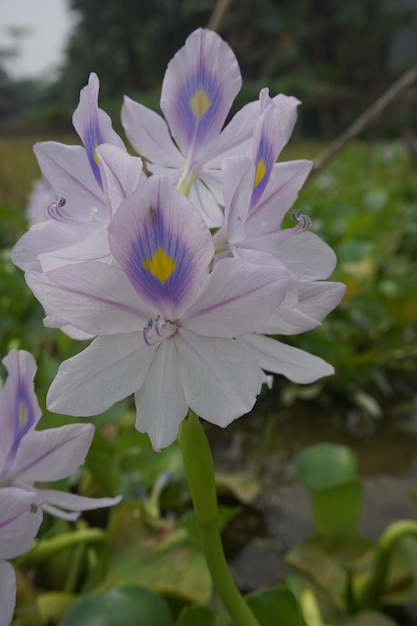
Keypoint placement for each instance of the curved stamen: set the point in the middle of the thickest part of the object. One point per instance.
(303, 224)
(54, 212)
(303, 221)
(157, 329)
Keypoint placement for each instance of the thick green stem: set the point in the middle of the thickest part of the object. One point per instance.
(199, 469)
(371, 595)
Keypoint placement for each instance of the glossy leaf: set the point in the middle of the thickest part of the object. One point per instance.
(195, 616)
(155, 554)
(129, 606)
(276, 605)
(324, 466)
(371, 618)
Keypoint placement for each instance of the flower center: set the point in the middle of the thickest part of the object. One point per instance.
(158, 329)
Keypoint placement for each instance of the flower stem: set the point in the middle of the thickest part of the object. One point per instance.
(199, 469)
(371, 595)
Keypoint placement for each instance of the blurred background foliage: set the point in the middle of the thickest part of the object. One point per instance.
(336, 56)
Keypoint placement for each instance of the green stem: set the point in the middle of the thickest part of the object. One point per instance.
(371, 595)
(199, 469)
(45, 548)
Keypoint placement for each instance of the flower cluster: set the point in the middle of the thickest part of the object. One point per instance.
(29, 456)
(183, 278)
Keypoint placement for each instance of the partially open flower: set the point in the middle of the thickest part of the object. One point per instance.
(29, 456)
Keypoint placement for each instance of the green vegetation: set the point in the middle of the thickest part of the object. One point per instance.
(363, 205)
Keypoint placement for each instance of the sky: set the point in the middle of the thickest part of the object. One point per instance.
(48, 24)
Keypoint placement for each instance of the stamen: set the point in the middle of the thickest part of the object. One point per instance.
(54, 211)
(157, 329)
(303, 224)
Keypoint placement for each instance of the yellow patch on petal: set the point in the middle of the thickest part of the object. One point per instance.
(260, 172)
(160, 265)
(23, 415)
(95, 157)
(199, 103)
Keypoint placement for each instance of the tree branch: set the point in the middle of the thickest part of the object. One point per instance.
(365, 119)
(218, 14)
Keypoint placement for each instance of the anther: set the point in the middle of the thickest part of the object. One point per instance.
(54, 211)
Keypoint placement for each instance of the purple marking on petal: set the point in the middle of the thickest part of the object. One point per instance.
(165, 283)
(24, 413)
(199, 101)
(264, 163)
(91, 139)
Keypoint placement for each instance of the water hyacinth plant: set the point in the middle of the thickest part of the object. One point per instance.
(184, 278)
(29, 456)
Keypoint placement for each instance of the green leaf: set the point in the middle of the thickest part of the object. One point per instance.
(155, 554)
(195, 616)
(310, 560)
(104, 475)
(324, 466)
(52, 605)
(129, 606)
(336, 510)
(276, 605)
(371, 618)
(401, 583)
(327, 561)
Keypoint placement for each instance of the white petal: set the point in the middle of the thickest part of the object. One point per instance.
(69, 172)
(293, 363)
(239, 176)
(160, 403)
(90, 244)
(52, 454)
(205, 200)
(20, 518)
(239, 298)
(317, 299)
(148, 134)
(205, 69)
(91, 296)
(280, 194)
(110, 369)
(287, 107)
(73, 502)
(121, 173)
(236, 137)
(221, 378)
(305, 254)
(314, 301)
(7, 593)
(43, 238)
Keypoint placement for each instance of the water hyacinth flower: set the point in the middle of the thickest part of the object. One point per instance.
(20, 518)
(88, 182)
(167, 326)
(29, 456)
(258, 192)
(198, 90)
